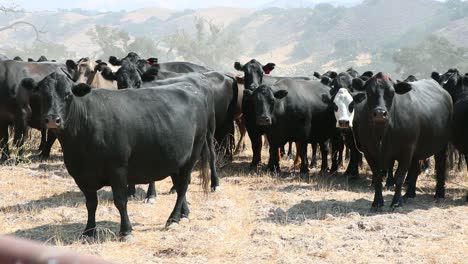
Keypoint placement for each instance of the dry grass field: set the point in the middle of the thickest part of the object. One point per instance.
(254, 218)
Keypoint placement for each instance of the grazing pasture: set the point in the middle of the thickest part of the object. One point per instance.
(254, 218)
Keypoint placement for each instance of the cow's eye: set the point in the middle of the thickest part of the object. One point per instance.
(351, 107)
(335, 107)
(68, 97)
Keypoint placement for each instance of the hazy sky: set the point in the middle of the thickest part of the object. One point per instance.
(117, 5)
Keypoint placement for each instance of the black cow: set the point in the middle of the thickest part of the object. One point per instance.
(452, 82)
(225, 98)
(406, 122)
(20, 107)
(256, 74)
(113, 138)
(291, 110)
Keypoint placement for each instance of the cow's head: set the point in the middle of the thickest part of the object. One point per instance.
(128, 76)
(265, 99)
(380, 91)
(342, 80)
(451, 81)
(343, 104)
(253, 72)
(57, 91)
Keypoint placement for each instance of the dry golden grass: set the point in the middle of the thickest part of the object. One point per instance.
(255, 218)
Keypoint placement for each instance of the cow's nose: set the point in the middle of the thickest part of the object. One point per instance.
(380, 114)
(264, 120)
(53, 121)
(343, 123)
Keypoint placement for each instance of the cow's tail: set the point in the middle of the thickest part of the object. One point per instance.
(204, 175)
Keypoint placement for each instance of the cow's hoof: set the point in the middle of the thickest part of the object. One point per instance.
(377, 206)
(131, 197)
(398, 202)
(184, 219)
(172, 225)
(90, 233)
(409, 196)
(439, 199)
(215, 188)
(126, 238)
(150, 200)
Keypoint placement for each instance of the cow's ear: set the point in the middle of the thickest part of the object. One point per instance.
(238, 66)
(435, 76)
(247, 92)
(325, 80)
(280, 94)
(333, 74)
(402, 88)
(359, 97)
(114, 61)
(368, 74)
(81, 89)
(108, 74)
(317, 75)
(29, 84)
(269, 67)
(151, 73)
(358, 84)
(71, 65)
(326, 99)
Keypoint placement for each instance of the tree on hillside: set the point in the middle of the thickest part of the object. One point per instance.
(118, 42)
(14, 8)
(433, 54)
(211, 45)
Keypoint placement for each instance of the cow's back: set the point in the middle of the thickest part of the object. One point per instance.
(149, 129)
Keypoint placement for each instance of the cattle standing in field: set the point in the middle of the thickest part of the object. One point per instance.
(256, 74)
(134, 136)
(407, 122)
(18, 106)
(454, 83)
(291, 110)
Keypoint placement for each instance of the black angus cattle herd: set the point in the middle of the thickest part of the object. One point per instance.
(166, 117)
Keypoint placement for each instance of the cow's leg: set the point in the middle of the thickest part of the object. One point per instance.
(21, 130)
(377, 177)
(337, 152)
(131, 190)
(151, 193)
(43, 139)
(313, 160)
(324, 152)
(273, 160)
(91, 206)
(301, 148)
(181, 183)
(400, 174)
(256, 141)
(390, 179)
(352, 171)
(51, 137)
(212, 161)
(242, 130)
(441, 172)
(4, 142)
(413, 173)
(119, 191)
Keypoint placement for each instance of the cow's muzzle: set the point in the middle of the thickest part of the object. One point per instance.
(264, 121)
(380, 115)
(53, 121)
(343, 123)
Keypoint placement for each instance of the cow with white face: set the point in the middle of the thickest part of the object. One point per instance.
(344, 104)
